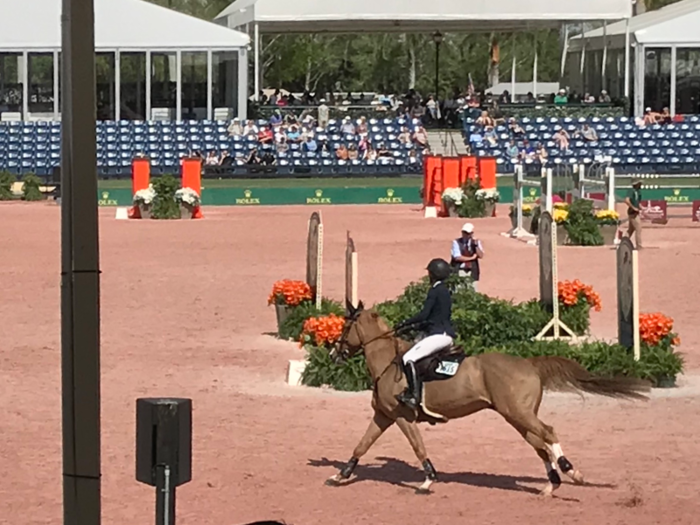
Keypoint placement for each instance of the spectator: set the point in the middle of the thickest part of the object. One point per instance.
(530, 98)
(275, 97)
(604, 97)
(282, 146)
(265, 136)
(235, 129)
(504, 98)
(412, 157)
(528, 152)
(561, 97)
(541, 154)
(587, 133)
(513, 151)
(276, 118)
(490, 135)
(212, 159)
(363, 145)
(561, 138)
(485, 120)
(515, 128)
(323, 114)
(250, 128)
(420, 137)
(383, 151)
(225, 159)
(664, 117)
(361, 129)
(310, 145)
(342, 152)
(432, 108)
(294, 135)
(348, 127)
(405, 136)
(352, 152)
(588, 99)
(475, 139)
(650, 117)
(370, 153)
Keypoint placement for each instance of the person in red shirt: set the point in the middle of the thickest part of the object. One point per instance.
(265, 135)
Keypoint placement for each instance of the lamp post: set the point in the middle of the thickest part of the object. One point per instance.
(437, 38)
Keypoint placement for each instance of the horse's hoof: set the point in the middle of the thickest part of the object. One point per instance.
(333, 482)
(577, 477)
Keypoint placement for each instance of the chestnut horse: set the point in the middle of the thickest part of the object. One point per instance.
(512, 386)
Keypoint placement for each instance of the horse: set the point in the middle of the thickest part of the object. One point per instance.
(457, 386)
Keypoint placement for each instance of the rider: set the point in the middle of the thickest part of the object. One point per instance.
(435, 319)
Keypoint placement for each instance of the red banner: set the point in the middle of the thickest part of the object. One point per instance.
(696, 211)
(655, 211)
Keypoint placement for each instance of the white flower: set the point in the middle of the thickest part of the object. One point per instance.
(146, 196)
(187, 196)
(454, 195)
(489, 195)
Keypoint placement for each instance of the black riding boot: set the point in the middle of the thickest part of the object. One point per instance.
(411, 396)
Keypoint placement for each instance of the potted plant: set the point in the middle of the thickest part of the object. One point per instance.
(288, 294)
(188, 200)
(527, 217)
(143, 200)
(608, 221)
(560, 216)
(490, 197)
(451, 200)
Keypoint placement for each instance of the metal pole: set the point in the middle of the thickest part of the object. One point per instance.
(256, 29)
(627, 58)
(437, 72)
(80, 279)
(165, 496)
(674, 80)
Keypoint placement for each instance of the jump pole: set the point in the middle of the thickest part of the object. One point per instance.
(351, 273)
(520, 183)
(607, 182)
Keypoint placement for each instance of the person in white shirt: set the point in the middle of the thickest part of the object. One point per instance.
(466, 253)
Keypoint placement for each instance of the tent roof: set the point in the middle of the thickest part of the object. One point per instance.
(123, 24)
(675, 23)
(319, 16)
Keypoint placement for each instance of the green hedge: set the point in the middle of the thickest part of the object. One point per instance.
(484, 324)
(6, 182)
(292, 326)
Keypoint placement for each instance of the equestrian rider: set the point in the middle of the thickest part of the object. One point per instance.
(435, 320)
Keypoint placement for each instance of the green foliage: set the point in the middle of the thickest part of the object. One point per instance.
(6, 182)
(30, 190)
(292, 326)
(582, 225)
(164, 205)
(349, 376)
(471, 206)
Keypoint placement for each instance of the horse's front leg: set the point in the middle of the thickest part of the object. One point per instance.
(410, 430)
(377, 427)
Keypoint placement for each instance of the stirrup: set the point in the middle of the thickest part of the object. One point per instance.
(407, 399)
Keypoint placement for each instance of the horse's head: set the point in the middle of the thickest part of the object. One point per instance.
(350, 342)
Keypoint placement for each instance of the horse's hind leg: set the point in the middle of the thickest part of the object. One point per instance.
(376, 428)
(553, 479)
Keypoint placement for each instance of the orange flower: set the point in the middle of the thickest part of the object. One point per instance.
(289, 292)
(571, 292)
(324, 331)
(654, 327)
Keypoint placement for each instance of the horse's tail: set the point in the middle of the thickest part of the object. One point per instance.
(560, 374)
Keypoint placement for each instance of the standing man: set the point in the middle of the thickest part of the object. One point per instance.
(633, 201)
(466, 253)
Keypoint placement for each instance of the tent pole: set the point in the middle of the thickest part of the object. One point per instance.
(603, 67)
(256, 30)
(80, 274)
(627, 58)
(565, 51)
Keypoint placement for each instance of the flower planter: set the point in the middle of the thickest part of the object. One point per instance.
(609, 233)
(527, 222)
(185, 211)
(490, 207)
(145, 211)
(562, 236)
(451, 208)
(282, 311)
(666, 382)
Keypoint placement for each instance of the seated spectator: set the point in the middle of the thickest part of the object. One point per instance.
(432, 108)
(253, 157)
(588, 99)
(363, 145)
(250, 128)
(383, 151)
(294, 135)
(587, 133)
(348, 127)
(513, 151)
(485, 120)
(604, 98)
(212, 159)
(323, 114)
(475, 139)
(275, 97)
(265, 136)
(352, 152)
(412, 157)
(282, 146)
(504, 98)
(405, 136)
(420, 137)
(310, 145)
(490, 135)
(530, 98)
(650, 117)
(276, 118)
(370, 153)
(528, 152)
(561, 97)
(342, 152)
(541, 154)
(362, 129)
(515, 128)
(235, 129)
(225, 159)
(664, 117)
(561, 138)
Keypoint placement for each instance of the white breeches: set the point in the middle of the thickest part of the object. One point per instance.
(427, 346)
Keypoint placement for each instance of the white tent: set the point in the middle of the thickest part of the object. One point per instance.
(32, 28)
(319, 16)
(121, 24)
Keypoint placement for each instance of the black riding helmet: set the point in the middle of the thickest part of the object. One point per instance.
(439, 269)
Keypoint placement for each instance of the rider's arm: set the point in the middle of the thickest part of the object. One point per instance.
(423, 315)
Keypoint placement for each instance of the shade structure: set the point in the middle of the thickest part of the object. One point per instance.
(319, 16)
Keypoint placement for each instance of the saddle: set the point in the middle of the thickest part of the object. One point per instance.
(442, 365)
